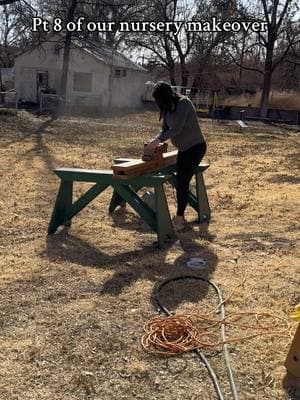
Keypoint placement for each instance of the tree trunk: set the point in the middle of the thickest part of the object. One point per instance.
(172, 75)
(239, 85)
(2, 96)
(197, 82)
(184, 75)
(65, 67)
(198, 77)
(268, 70)
(1, 84)
(66, 57)
(264, 102)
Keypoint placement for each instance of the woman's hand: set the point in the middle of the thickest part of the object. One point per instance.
(153, 144)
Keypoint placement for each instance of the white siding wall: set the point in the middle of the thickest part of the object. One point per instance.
(28, 64)
(126, 91)
(83, 62)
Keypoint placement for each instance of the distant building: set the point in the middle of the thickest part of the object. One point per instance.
(98, 74)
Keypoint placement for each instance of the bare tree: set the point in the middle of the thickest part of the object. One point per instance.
(168, 48)
(211, 45)
(160, 51)
(111, 10)
(281, 36)
(66, 10)
(67, 46)
(293, 57)
(185, 41)
(280, 30)
(14, 33)
(8, 36)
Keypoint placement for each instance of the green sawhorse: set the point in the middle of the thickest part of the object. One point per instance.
(158, 220)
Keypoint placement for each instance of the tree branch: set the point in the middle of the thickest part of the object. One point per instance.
(292, 62)
(264, 3)
(284, 54)
(243, 67)
(5, 2)
(283, 13)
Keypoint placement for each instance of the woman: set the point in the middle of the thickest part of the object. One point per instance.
(180, 125)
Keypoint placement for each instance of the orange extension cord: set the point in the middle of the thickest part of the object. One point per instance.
(185, 332)
(180, 333)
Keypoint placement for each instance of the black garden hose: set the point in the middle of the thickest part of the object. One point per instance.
(199, 353)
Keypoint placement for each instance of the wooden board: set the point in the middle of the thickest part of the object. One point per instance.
(133, 168)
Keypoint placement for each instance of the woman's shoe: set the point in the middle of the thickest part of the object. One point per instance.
(178, 223)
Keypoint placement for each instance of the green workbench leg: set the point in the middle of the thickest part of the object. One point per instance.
(62, 206)
(117, 199)
(203, 204)
(85, 199)
(131, 197)
(164, 226)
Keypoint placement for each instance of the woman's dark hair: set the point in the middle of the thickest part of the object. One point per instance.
(165, 97)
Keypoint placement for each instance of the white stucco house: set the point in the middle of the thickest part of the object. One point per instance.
(97, 74)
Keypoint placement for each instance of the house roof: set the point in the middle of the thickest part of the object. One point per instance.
(106, 54)
(101, 51)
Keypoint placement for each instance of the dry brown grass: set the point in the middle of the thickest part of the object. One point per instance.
(73, 305)
(284, 100)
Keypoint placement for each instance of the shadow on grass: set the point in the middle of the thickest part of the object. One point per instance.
(40, 149)
(68, 247)
(125, 220)
(187, 290)
(148, 263)
(260, 237)
(285, 179)
(288, 128)
(124, 112)
(260, 241)
(26, 129)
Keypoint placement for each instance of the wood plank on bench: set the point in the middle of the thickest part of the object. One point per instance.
(106, 177)
(132, 168)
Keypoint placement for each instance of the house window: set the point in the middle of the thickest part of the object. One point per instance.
(120, 73)
(82, 82)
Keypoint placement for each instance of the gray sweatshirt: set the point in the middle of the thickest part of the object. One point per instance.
(181, 126)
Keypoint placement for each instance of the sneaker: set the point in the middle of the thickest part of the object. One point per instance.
(178, 223)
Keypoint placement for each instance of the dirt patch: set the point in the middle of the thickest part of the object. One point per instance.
(73, 305)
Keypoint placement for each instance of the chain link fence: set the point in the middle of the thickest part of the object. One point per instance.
(199, 97)
(53, 104)
(73, 105)
(9, 100)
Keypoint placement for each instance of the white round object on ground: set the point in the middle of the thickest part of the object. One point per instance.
(196, 262)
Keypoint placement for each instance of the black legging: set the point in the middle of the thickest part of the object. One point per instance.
(187, 162)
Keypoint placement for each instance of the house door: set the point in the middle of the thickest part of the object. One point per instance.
(41, 83)
(27, 84)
